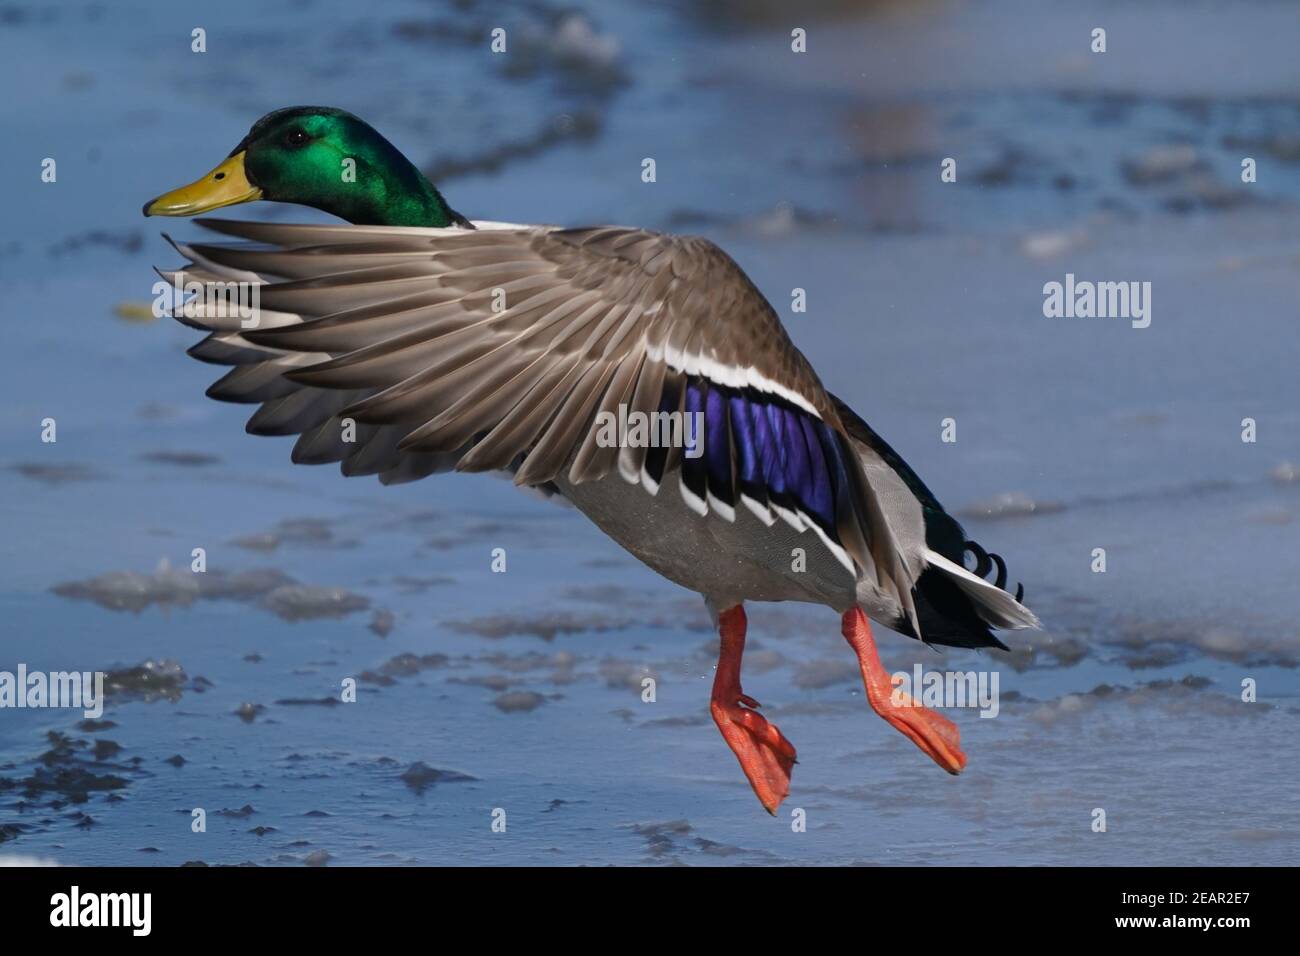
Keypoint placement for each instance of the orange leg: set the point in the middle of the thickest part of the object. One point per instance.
(764, 754)
(933, 733)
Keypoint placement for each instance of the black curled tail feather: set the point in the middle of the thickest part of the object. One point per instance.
(984, 561)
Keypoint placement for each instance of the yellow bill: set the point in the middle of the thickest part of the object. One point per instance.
(224, 186)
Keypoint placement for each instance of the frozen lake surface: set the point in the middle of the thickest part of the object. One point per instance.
(522, 691)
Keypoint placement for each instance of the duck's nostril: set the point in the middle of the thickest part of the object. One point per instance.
(219, 176)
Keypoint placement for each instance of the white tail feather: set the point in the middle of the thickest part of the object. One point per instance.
(993, 604)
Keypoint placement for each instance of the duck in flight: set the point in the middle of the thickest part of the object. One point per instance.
(449, 344)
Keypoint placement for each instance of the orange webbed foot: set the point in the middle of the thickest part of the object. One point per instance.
(765, 755)
(934, 734)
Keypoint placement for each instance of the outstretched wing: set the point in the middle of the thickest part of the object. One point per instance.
(498, 348)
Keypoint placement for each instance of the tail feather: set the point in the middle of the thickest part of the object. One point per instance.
(992, 602)
(953, 607)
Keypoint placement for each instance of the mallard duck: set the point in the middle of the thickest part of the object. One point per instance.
(450, 344)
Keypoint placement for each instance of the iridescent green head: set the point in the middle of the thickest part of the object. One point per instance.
(321, 157)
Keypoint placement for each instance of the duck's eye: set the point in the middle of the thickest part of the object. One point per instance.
(296, 137)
